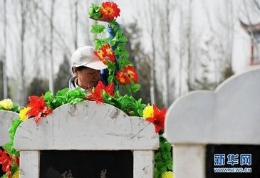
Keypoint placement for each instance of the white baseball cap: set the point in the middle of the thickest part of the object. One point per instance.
(84, 56)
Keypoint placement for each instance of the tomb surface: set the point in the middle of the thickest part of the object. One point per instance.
(87, 138)
(211, 129)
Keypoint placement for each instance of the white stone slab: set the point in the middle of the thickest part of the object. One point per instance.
(189, 161)
(230, 114)
(143, 164)
(6, 118)
(87, 126)
(29, 164)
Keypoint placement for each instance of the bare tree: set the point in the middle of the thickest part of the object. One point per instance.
(76, 25)
(5, 84)
(185, 52)
(189, 46)
(40, 44)
(257, 5)
(167, 49)
(51, 88)
(59, 37)
(152, 68)
(158, 23)
(74, 21)
(220, 53)
(227, 23)
(22, 90)
(181, 28)
(151, 31)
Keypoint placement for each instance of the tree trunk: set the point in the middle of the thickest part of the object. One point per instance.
(5, 84)
(76, 25)
(181, 51)
(22, 90)
(168, 98)
(51, 88)
(152, 67)
(188, 44)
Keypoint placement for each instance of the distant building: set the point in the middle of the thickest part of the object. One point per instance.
(253, 31)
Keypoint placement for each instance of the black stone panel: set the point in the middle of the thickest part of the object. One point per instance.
(233, 161)
(86, 164)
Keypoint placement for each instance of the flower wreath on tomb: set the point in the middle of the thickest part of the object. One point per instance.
(112, 51)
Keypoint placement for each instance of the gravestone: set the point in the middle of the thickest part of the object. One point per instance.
(6, 118)
(88, 139)
(216, 133)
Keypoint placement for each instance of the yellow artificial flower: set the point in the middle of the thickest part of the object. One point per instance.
(6, 104)
(148, 112)
(23, 113)
(168, 174)
(16, 174)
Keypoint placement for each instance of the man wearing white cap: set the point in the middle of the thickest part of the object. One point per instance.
(86, 68)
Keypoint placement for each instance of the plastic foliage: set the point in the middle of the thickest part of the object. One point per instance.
(122, 73)
(9, 157)
(9, 105)
(163, 158)
(9, 163)
(64, 96)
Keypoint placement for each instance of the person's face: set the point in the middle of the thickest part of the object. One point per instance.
(87, 77)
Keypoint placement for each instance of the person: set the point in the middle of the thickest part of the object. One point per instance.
(103, 71)
(85, 66)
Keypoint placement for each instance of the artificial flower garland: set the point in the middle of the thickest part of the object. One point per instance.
(9, 161)
(121, 72)
(7, 104)
(127, 77)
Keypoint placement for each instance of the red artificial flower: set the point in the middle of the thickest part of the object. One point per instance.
(38, 108)
(6, 161)
(105, 54)
(96, 93)
(158, 118)
(109, 10)
(126, 75)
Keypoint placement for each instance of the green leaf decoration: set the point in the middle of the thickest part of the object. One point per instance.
(9, 146)
(163, 157)
(121, 50)
(97, 28)
(110, 79)
(135, 87)
(14, 168)
(119, 37)
(94, 12)
(76, 96)
(100, 42)
(15, 124)
(64, 96)
(16, 108)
